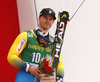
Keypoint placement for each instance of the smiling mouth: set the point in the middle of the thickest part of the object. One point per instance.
(47, 24)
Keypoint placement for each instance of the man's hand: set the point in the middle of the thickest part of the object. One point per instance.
(34, 71)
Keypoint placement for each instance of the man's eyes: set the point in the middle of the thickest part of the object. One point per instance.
(48, 18)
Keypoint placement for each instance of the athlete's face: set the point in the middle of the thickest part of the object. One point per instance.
(45, 22)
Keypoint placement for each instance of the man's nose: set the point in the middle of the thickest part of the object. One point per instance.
(48, 20)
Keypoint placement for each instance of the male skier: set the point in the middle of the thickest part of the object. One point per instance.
(28, 44)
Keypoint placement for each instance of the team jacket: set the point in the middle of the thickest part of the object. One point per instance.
(26, 46)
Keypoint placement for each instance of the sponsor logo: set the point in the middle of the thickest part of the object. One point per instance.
(50, 12)
(64, 16)
(21, 45)
(57, 49)
(39, 48)
(60, 35)
(30, 35)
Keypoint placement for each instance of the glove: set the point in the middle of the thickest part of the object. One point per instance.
(59, 79)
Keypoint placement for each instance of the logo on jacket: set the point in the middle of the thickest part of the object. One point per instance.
(21, 45)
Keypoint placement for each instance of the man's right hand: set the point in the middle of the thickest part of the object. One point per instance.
(34, 71)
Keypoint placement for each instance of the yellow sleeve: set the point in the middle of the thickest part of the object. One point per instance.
(60, 68)
(15, 50)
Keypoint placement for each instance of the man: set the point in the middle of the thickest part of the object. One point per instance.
(29, 45)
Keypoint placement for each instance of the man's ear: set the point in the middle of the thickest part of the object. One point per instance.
(39, 18)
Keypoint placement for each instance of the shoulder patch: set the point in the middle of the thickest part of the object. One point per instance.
(21, 45)
(30, 35)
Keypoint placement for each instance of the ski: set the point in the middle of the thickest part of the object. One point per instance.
(63, 18)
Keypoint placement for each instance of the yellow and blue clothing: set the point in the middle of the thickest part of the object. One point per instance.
(31, 52)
